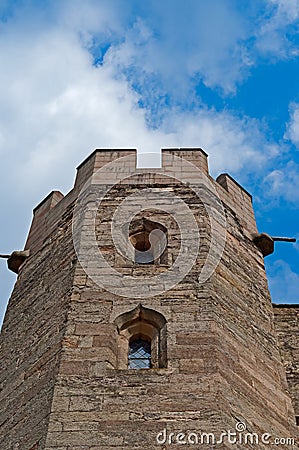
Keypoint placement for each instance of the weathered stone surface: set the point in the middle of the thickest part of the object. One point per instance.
(286, 320)
(31, 343)
(61, 345)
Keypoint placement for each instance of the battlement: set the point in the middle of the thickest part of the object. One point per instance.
(178, 164)
(161, 260)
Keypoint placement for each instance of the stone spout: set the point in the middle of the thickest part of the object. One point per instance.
(16, 259)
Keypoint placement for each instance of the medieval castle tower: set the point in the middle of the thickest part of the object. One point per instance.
(141, 317)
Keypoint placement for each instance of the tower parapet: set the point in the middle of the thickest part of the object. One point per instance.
(48, 213)
(143, 312)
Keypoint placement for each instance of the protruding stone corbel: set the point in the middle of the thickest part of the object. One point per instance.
(16, 259)
(266, 243)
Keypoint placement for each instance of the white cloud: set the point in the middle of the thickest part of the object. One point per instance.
(287, 11)
(177, 42)
(213, 42)
(292, 132)
(233, 144)
(90, 16)
(274, 36)
(56, 106)
(283, 282)
(197, 39)
(283, 183)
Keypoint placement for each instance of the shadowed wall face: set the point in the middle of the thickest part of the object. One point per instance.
(286, 320)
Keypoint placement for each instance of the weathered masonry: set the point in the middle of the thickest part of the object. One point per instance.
(124, 331)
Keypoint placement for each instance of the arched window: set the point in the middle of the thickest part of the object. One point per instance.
(149, 240)
(142, 339)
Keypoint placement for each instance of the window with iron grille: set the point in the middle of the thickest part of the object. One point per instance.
(142, 336)
(139, 354)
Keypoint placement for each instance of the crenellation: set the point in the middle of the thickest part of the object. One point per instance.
(98, 159)
(196, 156)
(49, 212)
(214, 349)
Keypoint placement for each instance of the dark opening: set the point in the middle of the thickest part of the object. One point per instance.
(143, 244)
(149, 240)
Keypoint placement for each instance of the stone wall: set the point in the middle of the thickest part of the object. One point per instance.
(31, 340)
(63, 346)
(286, 319)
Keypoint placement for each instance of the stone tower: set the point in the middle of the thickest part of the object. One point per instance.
(142, 317)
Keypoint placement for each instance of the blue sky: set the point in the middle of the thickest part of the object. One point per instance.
(219, 74)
